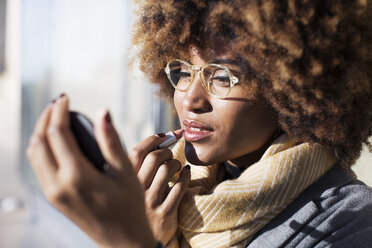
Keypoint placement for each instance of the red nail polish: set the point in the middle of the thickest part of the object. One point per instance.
(108, 118)
(57, 98)
(161, 135)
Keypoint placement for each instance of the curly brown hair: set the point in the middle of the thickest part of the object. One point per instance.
(310, 60)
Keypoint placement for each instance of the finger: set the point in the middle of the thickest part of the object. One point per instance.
(140, 151)
(38, 151)
(151, 164)
(43, 121)
(62, 142)
(109, 142)
(42, 161)
(176, 193)
(158, 189)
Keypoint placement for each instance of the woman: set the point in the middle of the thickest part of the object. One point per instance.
(274, 99)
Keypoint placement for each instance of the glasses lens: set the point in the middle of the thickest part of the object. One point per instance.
(179, 74)
(217, 80)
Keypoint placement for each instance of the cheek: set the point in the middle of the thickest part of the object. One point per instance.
(240, 129)
(177, 101)
(250, 129)
(243, 128)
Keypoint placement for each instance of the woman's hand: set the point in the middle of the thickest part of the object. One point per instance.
(110, 209)
(155, 169)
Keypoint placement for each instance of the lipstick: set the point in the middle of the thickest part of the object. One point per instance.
(195, 131)
(171, 138)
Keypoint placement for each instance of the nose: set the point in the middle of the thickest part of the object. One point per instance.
(196, 98)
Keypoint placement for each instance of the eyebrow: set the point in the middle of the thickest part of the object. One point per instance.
(224, 61)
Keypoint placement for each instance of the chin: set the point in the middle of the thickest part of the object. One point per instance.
(196, 156)
(196, 161)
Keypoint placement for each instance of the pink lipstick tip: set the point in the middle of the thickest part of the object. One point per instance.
(178, 133)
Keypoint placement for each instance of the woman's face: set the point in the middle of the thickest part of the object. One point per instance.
(218, 130)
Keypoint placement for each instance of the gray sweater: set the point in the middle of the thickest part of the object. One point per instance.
(336, 211)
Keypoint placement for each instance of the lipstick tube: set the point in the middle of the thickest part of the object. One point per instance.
(170, 139)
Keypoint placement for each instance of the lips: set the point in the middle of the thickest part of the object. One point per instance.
(195, 131)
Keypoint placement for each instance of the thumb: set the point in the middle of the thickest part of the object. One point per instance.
(109, 142)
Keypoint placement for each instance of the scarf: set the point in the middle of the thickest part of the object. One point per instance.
(229, 213)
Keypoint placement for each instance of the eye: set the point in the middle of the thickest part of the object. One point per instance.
(220, 81)
(184, 71)
(178, 73)
(217, 77)
(184, 74)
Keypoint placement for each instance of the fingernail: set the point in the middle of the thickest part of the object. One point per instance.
(161, 135)
(108, 117)
(187, 167)
(60, 96)
(57, 98)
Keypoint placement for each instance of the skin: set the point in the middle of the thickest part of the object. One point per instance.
(133, 206)
(109, 208)
(240, 128)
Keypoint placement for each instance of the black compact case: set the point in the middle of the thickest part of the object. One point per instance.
(83, 131)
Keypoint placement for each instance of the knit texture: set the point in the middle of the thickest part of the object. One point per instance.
(229, 213)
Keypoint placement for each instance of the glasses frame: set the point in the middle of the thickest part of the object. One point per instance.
(233, 80)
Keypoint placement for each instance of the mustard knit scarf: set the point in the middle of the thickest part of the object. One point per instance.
(228, 214)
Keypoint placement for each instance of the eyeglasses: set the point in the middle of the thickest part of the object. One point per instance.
(216, 79)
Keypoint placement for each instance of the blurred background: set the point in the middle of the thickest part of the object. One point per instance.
(49, 47)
